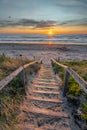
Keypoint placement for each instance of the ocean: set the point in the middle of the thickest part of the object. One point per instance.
(40, 38)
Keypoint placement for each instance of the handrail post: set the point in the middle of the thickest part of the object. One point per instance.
(66, 83)
(40, 61)
(22, 77)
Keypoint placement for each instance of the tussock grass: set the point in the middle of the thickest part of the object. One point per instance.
(10, 99)
(8, 65)
(79, 66)
(13, 94)
(74, 89)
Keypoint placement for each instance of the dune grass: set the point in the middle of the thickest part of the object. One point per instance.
(12, 95)
(78, 66)
(8, 65)
(10, 99)
(74, 89)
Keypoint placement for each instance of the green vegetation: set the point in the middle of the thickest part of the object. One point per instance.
(13, 94)
(84, 111)
(8, 65)
(74, 89)
(79, 66)
(59, 70)
(10, 99)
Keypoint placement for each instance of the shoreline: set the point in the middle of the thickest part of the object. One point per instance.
(44, 43)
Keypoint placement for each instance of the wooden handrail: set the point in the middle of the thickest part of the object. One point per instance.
(64, 66)
(78, 79)
(76, 76)
(25, 66)
(10, 77)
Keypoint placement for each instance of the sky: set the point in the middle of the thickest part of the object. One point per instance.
(42, 16)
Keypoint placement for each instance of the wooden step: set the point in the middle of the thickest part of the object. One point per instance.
(45, 92)
(40, 86)
(47, 83)
(44, 80)
(44, 84)
(44, 99)
(47, 76)
(27, 126)
(47, 112)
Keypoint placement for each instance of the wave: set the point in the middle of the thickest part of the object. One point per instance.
(75, 38)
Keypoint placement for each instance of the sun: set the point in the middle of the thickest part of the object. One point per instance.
(50, 33)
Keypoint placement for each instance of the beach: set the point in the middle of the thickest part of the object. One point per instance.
(62, 52)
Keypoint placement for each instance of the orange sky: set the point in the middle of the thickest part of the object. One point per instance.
(56, 30)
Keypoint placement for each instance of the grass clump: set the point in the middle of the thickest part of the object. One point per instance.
(74, 88)
(79, 66)
(84, 111)
(10, 99)
(59, 70)
(12, 95)
(8, 65)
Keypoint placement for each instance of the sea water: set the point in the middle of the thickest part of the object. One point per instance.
(43, 38)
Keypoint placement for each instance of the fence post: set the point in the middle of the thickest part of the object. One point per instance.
(66, 83)
(22, 76)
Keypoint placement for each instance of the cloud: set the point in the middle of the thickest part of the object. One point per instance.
(27, 22)
(76, 22)
(41, 24)
(46, 24)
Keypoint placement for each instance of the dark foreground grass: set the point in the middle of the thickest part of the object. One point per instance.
(10, 99)
(74, 89)
(12, 95)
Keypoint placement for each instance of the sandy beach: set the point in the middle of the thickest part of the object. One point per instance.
(46, 51)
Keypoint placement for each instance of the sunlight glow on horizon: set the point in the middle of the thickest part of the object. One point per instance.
(56, 30)
(50, 33)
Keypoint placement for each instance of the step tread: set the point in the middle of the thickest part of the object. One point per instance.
(48, 83)
(44, 99)
(47, 112)
(45, 92)
(43, 86)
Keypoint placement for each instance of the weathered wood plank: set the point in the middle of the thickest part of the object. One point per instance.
(44, 99)
(78, 79)
(45, 92)
(19, 71)
(44, 86)
(66, 83)
(9, 78)
(25, 66)
(64, 66)
(76, 76)
(47, 112)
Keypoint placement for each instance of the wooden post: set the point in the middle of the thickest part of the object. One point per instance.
(41, 61)
(66, 83)
(22, 76)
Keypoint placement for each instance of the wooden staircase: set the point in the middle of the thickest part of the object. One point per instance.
(43, 107)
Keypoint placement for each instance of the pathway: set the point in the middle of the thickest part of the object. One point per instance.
(43, 107)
